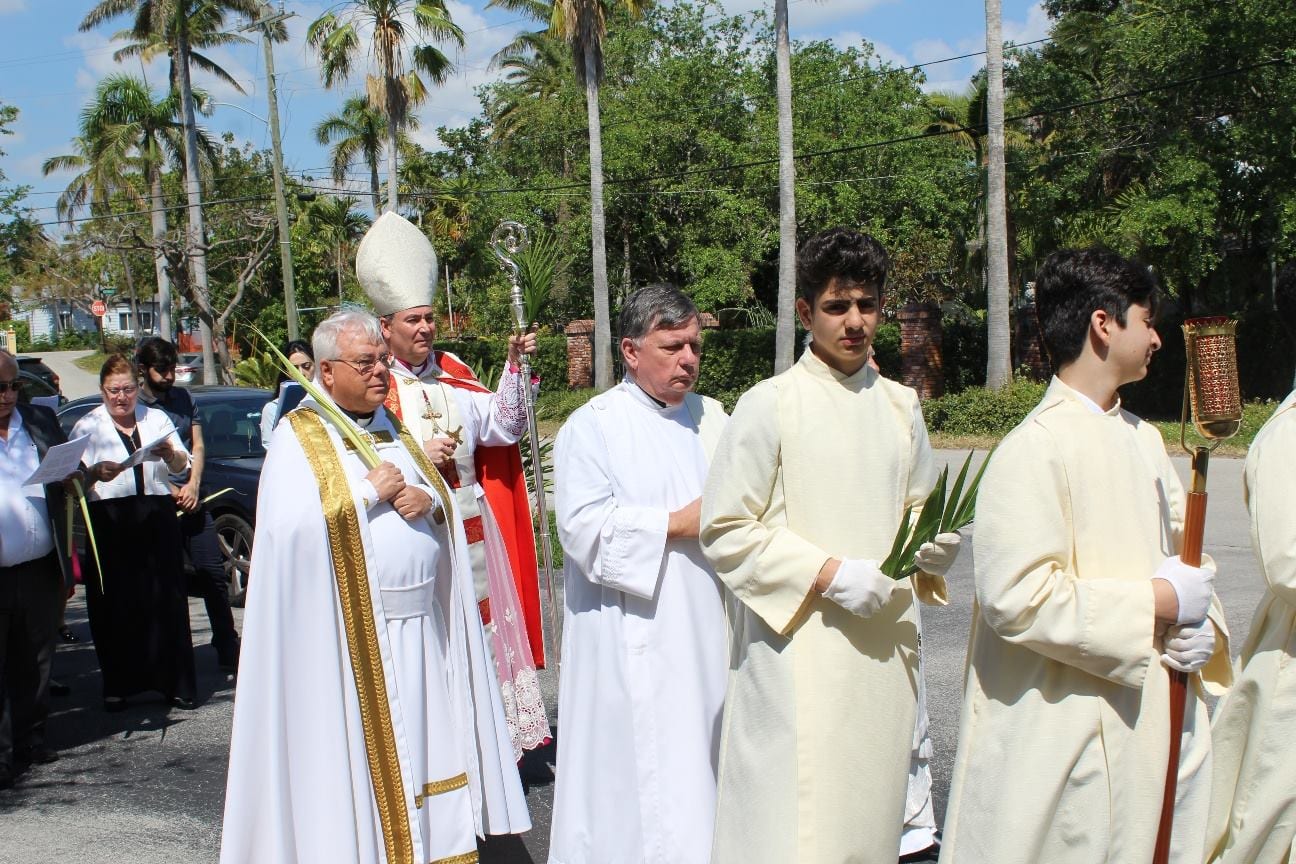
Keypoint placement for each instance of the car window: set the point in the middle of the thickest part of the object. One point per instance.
(232, 426)
(30, 385)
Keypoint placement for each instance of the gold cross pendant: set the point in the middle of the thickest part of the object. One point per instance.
(456, 436)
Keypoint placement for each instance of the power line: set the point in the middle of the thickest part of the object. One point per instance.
(851, 148)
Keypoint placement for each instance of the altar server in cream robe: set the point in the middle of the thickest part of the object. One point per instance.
(1064, 730)
(644, 640)
(803, 500)
(1253, 807)
(470, 433)
(369, 729)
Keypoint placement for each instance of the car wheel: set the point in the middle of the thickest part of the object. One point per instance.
(234, 535)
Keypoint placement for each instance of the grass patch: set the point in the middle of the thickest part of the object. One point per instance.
(553, 407)
(1254, 415)
(91, 362)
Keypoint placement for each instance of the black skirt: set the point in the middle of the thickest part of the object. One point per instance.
(140, 620)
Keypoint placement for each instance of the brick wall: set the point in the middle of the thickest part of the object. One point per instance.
(580, 354)
(921, 364)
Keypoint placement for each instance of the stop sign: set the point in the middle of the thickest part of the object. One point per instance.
(99, 308)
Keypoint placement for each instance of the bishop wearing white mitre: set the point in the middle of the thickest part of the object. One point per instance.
(369, 726)
(644, 647)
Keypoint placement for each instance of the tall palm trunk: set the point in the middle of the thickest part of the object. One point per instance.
(602, 312)
(375, 187)
(391, 164)
(784, 331)
(197, 234)
(158, 219)
(999, 347)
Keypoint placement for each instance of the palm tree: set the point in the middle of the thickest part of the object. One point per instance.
(998, 343)
(582, 24)
(126, 126)
(785, 328)
(206, 30)
(535, 67)
(172, 19)
(391, 90)
(337, 222)
(359, 132)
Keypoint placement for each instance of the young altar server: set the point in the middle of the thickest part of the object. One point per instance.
(1253, 804)
(1065, 724)
(644, 645)
(803, 500)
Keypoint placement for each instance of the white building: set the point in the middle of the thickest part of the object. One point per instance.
(46, 319)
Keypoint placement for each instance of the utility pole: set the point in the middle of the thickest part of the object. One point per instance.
(267, 20)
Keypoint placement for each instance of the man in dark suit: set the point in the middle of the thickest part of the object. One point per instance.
(33, 561)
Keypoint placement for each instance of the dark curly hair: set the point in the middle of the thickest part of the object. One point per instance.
(844, 253)
(1073, 283)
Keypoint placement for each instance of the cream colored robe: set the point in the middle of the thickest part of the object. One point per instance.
(819, 713)
(1253, 804)
(1064, 729)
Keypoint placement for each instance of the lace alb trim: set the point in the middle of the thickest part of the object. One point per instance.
(528, 724)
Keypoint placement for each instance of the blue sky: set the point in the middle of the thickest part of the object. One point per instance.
(49, 70)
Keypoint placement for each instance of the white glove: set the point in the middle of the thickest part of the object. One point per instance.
(1192, 585)
(1189, 647)
(860, 587)
(938, 556)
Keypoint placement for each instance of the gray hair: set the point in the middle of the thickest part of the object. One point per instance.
(324, 341)
(657, 306)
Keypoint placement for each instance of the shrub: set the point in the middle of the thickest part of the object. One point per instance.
(978, 411)
(557, 405)
(488, 354)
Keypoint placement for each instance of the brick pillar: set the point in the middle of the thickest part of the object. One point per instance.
(921, 366)
(580, 354)
(1029, 345)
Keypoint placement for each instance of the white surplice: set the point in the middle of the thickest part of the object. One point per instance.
(644, 653)
(300, 786)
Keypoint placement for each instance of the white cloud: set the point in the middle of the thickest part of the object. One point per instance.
(1036, 26)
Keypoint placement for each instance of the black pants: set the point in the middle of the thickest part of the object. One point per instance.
(30, 606)
(198, 533)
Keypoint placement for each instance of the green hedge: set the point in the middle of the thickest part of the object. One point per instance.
(977, 411)
(489, 353)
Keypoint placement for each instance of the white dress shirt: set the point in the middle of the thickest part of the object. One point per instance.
(25, 533)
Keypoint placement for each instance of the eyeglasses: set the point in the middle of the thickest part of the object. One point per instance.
(128, 390)
(369, 367)
(14, 385)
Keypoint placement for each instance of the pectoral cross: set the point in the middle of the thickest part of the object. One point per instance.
(456, 436)
(428, 413)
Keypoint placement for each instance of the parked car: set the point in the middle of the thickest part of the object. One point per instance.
(189, 369)
(34, 366)
(231, 422)
(31, 385)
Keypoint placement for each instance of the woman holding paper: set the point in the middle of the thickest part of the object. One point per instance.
(139, 615)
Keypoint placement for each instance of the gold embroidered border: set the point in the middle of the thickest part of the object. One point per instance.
(465, 858)
(440, 787)
(347, 550)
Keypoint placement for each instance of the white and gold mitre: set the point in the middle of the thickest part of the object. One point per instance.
(396, 265)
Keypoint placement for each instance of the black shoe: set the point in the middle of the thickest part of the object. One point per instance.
(6, 777)
(66, 634)
(113, 704)
(59, 689)
(182, 703)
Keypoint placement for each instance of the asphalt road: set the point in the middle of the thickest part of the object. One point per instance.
(74, 381)
(147, 785)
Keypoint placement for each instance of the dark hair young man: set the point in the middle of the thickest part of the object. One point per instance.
(156, 359)
(1254, 773)
(803, 499)
(1080, 601)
